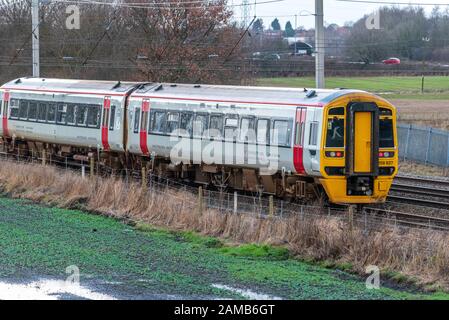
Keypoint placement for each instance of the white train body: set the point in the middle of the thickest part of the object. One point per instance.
(274, 138)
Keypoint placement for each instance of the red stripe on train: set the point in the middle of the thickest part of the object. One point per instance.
(6, 97)
(298, 149)
(105, 124)
(143, 131)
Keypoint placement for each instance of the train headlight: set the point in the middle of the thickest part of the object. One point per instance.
(335, 154)
(386, 154)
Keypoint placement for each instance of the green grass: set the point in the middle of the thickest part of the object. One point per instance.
(405, 85)
(39, 241)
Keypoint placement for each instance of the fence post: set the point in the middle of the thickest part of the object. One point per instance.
(235, 202)
(44, 157)
(144, 177)
(447, 161)
(422, 84)
(271, 206)
(83, 171)
(351, 218)
(429, 136)
(92, 164)
(200, 201)
(407, 142)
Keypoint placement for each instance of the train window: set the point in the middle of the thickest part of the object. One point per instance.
(32, 111)
(281, 133)
(386, 139)
(144, 121)
(105, 122)
(112, 119)
(335, 137)
(231, 127)
(385, 112)
(14, 105)
(199, 125)
(136, 120)
(186, 123)
(93, 116)
(159, 121)
(340, 111)
(313, 134)
(299, 133)
(61, 113)
(172, 122)
(247, 133)
(81, 115)
(263, 129)
(23, 109)
(42, 112)
(70, 114)
(216, 126)
(51, 114)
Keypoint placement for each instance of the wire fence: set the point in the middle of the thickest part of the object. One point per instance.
(425, 145)
(193, 197)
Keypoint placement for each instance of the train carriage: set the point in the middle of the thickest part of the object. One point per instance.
(295, 143)
(341, 140)
(69, 116)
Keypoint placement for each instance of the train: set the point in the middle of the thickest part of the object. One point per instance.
(339, 145)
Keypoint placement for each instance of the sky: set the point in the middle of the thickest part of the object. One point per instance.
(334, 11)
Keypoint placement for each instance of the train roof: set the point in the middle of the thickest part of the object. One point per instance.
(215, 93)
(69, 86)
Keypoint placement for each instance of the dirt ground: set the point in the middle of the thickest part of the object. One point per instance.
(434, 113)
(411, 168)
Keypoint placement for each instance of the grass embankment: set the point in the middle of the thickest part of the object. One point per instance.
(145, 261)
(419, 254)
(403, 87)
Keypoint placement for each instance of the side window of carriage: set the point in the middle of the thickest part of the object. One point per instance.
(136, 120)
(335, 131)
(14, 107)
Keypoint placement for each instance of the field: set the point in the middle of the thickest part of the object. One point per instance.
(143, 262)
(373, 84)
(427, 109)
(142, 258)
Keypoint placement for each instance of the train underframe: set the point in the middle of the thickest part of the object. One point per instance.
(219, 177)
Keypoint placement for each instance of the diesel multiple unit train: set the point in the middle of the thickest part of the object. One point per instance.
(293, 143)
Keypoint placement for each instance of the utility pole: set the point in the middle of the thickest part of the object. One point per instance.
(296, 40)
(246, 13)
(319, 44)
(35, 37)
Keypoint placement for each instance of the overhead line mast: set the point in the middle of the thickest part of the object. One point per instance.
(319, 44)
(35, 37)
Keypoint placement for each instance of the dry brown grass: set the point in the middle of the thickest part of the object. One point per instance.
(423, 254)
(413, 168)
(429, 113)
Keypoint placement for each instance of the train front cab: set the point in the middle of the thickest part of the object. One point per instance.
(359, 157)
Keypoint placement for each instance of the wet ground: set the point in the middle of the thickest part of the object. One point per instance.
(42, 248)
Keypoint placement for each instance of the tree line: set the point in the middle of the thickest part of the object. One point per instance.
(186, 42)
(403, 32)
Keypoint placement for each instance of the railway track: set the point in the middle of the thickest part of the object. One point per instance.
(420, 191)
(411, 219)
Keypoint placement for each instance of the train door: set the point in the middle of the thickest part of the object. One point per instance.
(105, 123)
(363, 140)
(144, 126)
(362, 143)
(4, 113)
(298, 148)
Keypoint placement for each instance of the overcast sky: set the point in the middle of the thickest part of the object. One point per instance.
(334, 11)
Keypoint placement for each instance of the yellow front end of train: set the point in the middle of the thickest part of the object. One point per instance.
(359, 158)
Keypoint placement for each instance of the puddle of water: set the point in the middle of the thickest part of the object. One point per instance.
(47, 290)
(246, 293)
